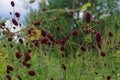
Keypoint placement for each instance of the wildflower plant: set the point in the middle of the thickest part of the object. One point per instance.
(55, 46)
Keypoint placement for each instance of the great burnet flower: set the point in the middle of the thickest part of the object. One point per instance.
(35, 34)
(85, 6)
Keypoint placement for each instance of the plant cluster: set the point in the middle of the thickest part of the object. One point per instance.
(48, 51)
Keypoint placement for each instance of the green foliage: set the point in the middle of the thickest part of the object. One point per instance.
(31, 1)
(76, 58)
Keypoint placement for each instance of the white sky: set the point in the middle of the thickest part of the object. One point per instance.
(20, 6)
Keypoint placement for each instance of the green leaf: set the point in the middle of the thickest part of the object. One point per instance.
(2, 66)
(31, 1)
(88, 37)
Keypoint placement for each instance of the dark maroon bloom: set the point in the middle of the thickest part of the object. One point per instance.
(36, 43)
(17, 14)
(87, 29)
(62, 48)
(11, 45)
(50, 36)
(9, 68)
(37, 23)
(71, 12)
(29, 32)
(98, 36)
(44, 40)
(29, 50)
(110, 34)
(75, 32)
(51, 79)
(95, 31)
(108, 77)
(67, 37)
(4, 46)
(83, 48)
(53, 42)
(103, 54)
(14, 27)
(10, 39)
(99, 45)
(3, 24)
(64, 67)
(31, 73)
(62, 42)
(8, 77)
(21, 40)
(28, 65)
(14, 22)
(12, 3)
(58, 28)
(18, 55)
(48, 43)
(96, 73)
(88, 17)
(24, 63)
(43, 33)
(27, 57)
(7, 71)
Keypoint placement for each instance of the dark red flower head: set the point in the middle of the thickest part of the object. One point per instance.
(31, 73)
(28, 65)
(62, 48)
(63, 67)
(58, 28)
(83, 48)
(17, 14)
(27, 56)
(10, 39)
(37, 23)
(12, 3)
(110, 34)
(75, 32)
(103, 54)
(98, 36)
(21, 40)
(18, 55)
(108, 77)
(44, 40)
(14, 22)
(88, 17)
(8, 77)
(43, 32)
(50, 36)
(9, 68)
(62, 42)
